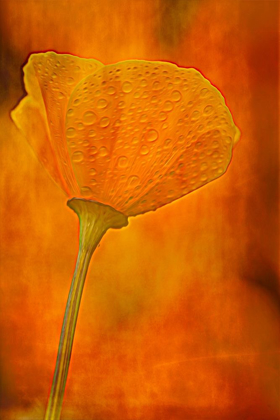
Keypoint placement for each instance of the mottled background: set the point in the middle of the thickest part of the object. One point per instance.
(180, 316)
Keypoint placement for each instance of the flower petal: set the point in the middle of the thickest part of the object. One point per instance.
(143, 134)
(30, 120)
(49, 81)
(201, 163)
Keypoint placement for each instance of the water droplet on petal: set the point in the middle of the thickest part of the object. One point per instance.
(103, 151)
(176, 96)
(70, 112)
(208, 109)
(162, 116)
(77, 157)
(70, 132)
(152, 135)
(127, 87)
(168, 106)
(92, 133)
(167, 143)
(195, 115)
(70, 81)
(228, 140)
(89, 117)
(133, 180)
(111, 90)
(86, 191)
(143, 83)
(93, 150)
(92, 171)
(144, 150)
(102, 103)
(137, 94)
(117, 123)
(156, 85)
(203, 166)
(122, 162)
(104, 122)
(204, 92)
(143, 118)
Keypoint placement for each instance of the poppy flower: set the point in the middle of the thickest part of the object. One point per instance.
(134, 135)
(124, 139)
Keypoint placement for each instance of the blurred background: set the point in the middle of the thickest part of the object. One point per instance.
(180, 314)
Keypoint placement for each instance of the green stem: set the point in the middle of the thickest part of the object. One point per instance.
(95, 219)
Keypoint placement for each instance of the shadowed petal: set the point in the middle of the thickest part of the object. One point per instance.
(49, 81)
(31, 120)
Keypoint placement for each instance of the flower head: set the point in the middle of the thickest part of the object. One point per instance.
(135, 135)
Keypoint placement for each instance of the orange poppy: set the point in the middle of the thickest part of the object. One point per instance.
(135, 135)
(125, 139)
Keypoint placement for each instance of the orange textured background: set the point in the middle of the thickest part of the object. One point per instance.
(180, 315)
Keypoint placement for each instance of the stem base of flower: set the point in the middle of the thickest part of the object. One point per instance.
(95, 219)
